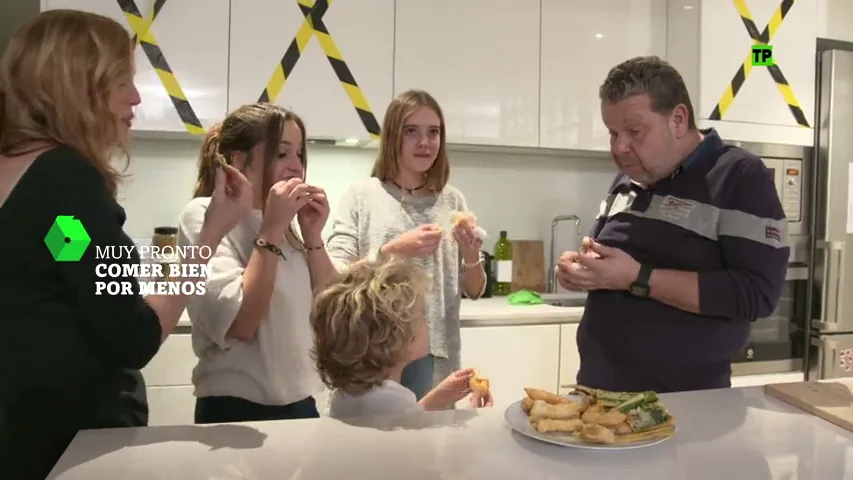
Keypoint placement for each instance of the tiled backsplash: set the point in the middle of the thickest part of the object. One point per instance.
(514, 192)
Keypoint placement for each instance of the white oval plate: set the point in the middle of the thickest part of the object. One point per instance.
(519, 422)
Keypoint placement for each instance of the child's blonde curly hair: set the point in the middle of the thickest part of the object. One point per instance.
(365, 321)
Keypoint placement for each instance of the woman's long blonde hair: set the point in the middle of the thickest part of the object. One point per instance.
(387, 164)
(55, 82)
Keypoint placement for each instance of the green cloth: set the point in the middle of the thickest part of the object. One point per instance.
(524, 297)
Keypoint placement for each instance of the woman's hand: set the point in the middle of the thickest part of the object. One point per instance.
(285, 198)
(469, 242)
(314, 215)
(420, 242)
(230, 203)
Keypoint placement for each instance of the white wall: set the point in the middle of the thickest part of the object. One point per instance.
(519, 193)
(835, 19)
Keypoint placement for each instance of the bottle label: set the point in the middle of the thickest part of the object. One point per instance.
(504, 273)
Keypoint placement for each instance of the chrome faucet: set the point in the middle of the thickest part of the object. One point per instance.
(552, 262)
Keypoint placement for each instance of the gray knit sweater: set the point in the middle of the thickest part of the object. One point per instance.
(373, 213)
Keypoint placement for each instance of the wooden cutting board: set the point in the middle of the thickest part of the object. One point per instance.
(831, 401)
(528, 266)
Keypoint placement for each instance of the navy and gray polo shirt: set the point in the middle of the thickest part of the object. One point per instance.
(719, 215)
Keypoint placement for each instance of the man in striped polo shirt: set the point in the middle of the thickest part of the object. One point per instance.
(688, 249)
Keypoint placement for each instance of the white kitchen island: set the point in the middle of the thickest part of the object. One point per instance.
(731, 434)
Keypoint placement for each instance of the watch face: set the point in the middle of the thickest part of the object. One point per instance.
(639, 290)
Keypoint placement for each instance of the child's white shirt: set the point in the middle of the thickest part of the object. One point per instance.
(388, 398)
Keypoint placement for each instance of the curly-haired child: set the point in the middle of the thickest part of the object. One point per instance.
(369, 323)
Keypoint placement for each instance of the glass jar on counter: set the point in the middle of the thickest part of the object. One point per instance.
(165, 239)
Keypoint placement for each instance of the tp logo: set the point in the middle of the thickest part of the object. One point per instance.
(67, 240)
(762, 56)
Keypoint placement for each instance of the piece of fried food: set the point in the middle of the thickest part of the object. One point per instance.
(546, 397)
(599, 415)
(458, 217)
(622, 429)
(559, 411)
(555, 425)
(592, 433)
(661, 431)
(527, 404)
(591, 414)
(611, 418)
(479, 384)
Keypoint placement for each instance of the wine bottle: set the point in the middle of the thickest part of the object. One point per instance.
(503, 265)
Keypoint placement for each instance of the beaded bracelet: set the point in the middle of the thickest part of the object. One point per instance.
(318, 247)
(261, 243)
(472, 265)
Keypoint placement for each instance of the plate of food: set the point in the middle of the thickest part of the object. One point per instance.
(592, 419)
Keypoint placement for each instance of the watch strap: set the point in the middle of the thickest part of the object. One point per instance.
(640, 287)
(644, 275)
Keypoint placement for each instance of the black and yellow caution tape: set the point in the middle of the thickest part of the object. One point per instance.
(142, 28)
(745, 69)
(158, 6)
(313, 25)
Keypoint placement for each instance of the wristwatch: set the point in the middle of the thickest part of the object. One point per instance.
(640, 287)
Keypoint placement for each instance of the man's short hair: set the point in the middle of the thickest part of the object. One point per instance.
(651, 76)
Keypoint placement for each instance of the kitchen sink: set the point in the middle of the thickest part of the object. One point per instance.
(574, 302)
(564, 300)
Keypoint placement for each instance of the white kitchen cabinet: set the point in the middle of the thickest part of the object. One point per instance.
(361, 32)
(173, 405)
(480, 60)
(581, 42)
(198, 62)
(570, 362)
(168, 381)
(513, 357)
(835, 20)
(173, 363)
(708, 43)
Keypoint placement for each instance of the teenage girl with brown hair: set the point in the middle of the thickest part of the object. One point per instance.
(251, 329)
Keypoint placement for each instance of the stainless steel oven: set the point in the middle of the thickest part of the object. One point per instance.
(777, 343)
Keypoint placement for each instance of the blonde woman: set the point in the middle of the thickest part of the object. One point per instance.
(71, 358)
(250, 330)
(404, 210)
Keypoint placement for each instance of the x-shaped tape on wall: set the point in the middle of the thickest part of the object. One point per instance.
(745, 69)
(313, 25)
(143, 36)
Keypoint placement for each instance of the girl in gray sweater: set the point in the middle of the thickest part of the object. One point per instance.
(405, 209)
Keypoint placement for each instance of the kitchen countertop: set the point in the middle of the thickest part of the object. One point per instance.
(728, 434)
(495, 311)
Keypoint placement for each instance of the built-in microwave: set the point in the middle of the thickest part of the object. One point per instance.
(788, 176)
(789, 165)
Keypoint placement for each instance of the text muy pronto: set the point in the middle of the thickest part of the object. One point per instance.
(165, 265)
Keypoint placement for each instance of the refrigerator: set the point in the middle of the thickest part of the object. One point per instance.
(830, 336)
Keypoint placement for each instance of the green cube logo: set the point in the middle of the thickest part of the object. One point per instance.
(67, 240)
